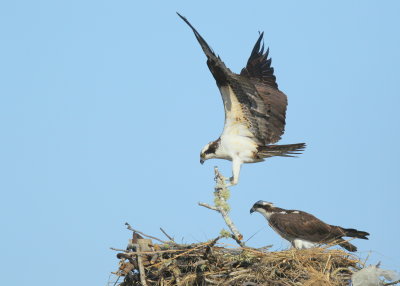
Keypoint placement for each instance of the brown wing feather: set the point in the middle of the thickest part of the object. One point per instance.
(215, 64)
(259, 65)
(264, 107)
(275, 102)
(304, 226)
(256, 88)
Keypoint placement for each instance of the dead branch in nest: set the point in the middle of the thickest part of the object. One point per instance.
(141, 267)
(221, 195)
(128, 226)
(166, 234)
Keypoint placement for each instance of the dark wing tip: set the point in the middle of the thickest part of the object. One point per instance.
(259, 65)
(188, 23)
(215, 64)
(206, 48)
(183, 18)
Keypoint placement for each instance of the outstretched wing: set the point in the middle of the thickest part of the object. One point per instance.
(259, 65)
(262, 105)
(266, 102)
(303, 225)
(251, 99)
(215, 64)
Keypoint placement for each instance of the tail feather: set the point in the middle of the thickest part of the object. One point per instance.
(351, 232)
(347, 245)
(281, 150)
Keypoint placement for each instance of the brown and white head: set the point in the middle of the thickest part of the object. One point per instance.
(264, 208)
(209, 151)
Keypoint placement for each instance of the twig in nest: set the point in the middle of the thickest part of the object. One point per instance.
(221, 195)
(166, 234)
(392, 283)
(210, 246)
(326, 264)
(184, 253)
(116, 281)
(118, 249)
(128, 226)
(141, 267)
(152, 252)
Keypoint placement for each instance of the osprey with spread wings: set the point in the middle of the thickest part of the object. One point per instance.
(255, 110)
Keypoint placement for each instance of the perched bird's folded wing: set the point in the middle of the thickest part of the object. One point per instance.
(302, 225)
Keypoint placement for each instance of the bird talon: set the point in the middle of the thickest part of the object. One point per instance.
(230, 182)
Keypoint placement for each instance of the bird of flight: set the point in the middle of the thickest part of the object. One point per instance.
(255, 110)
(303, 230)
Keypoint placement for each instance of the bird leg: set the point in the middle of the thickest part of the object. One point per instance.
(229, 182)
(236, 164)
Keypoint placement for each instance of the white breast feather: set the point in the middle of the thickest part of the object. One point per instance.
(266, 214)
(236, 139)
(235, 121)
(303, 244)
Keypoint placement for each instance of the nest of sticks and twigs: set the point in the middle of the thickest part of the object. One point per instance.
(166, 263)
(212, 263)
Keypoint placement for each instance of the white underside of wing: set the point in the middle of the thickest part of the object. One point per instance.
(236, 139)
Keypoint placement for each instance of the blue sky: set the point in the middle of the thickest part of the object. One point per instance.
(105, 106)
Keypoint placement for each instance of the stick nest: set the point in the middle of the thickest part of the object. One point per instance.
(211, 263)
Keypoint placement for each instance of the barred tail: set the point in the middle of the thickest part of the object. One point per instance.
(351, 232)
(347, 245)
(281, 150)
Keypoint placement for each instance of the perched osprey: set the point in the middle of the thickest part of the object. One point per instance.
(255, 110)
(303, 230)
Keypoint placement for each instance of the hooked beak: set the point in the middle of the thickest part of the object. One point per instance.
(252, 210)
(202, 161)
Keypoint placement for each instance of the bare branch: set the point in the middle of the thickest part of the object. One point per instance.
(117, 249)
(208, 206)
